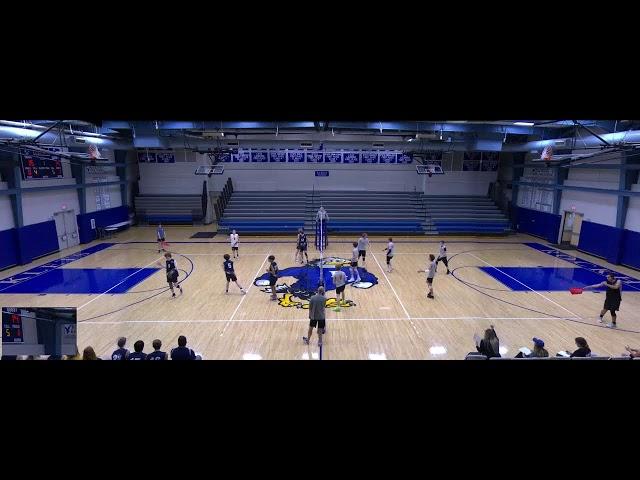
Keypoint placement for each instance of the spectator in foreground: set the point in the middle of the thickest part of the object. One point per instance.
(182, 352)
(157, 354)
(121, 353)
(89, 354)
(583, 348)
(489, 345)
(75, 356)
(138, 353)
(632, 352)
(538, 350)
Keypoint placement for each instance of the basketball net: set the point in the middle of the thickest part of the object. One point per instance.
(94, 152)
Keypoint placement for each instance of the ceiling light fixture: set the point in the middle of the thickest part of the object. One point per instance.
(524, 124)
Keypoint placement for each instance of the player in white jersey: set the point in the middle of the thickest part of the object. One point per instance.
(363, 243)
(234, 238)
(431, 272)
(390, 251)
(354, 264)
(442, 256)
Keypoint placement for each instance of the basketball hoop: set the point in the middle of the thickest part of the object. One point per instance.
(547, 153)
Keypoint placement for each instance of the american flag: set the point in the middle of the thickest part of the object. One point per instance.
(94, 152)
(547, 153)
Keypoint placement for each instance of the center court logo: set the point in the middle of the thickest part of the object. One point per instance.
(307, 278)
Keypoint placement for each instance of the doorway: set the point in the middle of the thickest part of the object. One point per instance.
(571, 228)
(66, 229)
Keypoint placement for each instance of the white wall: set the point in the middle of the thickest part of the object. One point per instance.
(633, 212)
(179, 178)
(39, 206)
(6, 213)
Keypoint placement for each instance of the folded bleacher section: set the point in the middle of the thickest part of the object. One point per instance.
(169, 209)
(456, 214)
(362, 211)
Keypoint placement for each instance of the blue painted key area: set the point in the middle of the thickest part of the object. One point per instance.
(548, 279)
(83, 280)
(52, 278)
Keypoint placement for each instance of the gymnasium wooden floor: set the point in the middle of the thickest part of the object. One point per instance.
(391, 320)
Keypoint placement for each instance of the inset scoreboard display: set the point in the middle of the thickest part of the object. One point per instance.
(12, 331)
(36, 165)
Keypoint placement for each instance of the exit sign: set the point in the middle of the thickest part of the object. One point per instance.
(322, 173)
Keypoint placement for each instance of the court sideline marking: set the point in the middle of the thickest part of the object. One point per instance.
(119, 283)
(538, 293)
(245, 295)
(274, 320)
(397, 297)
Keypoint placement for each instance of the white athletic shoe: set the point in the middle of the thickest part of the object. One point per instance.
(600, 320)
(242, 290)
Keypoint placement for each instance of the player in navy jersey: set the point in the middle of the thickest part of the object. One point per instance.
(301, 246)
(138, 354)
(227, 266)
(182, 352)
(172, 273)
(273, 276)
(157, 354)
(121, 353)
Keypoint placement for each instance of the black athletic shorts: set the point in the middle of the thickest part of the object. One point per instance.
(354, 264)
(234, 248)
(362, 253)
(389, 257)
(429, 281)
(611, 306)
(172, 276)
(302, 249)
(231, 277)
(318, 323)
(339, 290)
(161, 239)
(272, 280)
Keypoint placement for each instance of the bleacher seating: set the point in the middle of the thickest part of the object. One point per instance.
(456, 214)
(349, 212)
(169, 209)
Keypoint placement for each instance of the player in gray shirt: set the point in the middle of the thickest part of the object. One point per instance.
(339, 280)
(363, 243)
(317, 304)
(354, 264)
(431, 272)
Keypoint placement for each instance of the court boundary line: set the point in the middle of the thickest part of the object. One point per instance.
(119, 283)
(521, 283)
(305, 320)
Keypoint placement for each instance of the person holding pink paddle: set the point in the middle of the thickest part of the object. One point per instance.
(612, 299)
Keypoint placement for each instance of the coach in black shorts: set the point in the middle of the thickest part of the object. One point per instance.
(317, 304)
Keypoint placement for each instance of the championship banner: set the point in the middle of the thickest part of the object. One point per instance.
(146, 157)
(295, 156)
(165, 157)
(489, 161)
(388, 157)
(369, 157)
(404, 158)
(315, 157)
(350, 157)
(332, 157)
(471, 162)
(259, 156)
(277, 155)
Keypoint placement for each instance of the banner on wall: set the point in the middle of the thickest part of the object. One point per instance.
(489, 161)
(165, 157)
(320, 156)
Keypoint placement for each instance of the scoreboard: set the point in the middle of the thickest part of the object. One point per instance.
(36, 165)
(12, 331)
